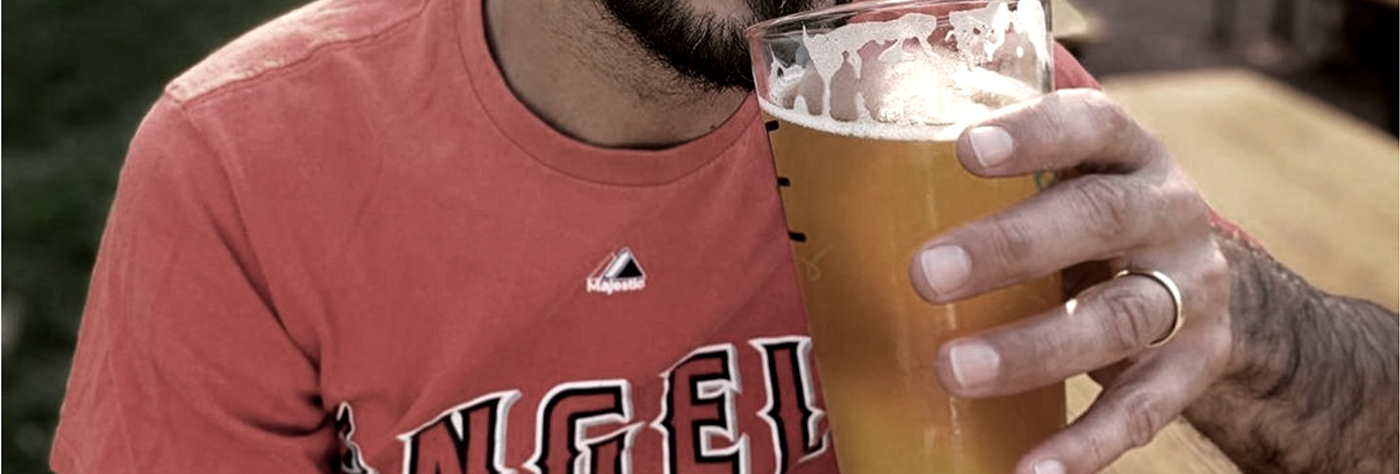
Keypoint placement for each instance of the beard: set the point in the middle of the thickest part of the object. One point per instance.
(706, 50)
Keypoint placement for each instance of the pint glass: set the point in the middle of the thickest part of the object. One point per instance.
(864, 103)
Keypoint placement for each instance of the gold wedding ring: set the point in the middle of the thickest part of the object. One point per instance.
(1171, 287)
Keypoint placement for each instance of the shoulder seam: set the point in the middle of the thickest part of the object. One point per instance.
(250, 263)
(193, 96)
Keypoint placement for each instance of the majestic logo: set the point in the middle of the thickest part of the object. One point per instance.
(618, 272)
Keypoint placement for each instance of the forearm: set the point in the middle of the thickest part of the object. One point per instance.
(1312, 385)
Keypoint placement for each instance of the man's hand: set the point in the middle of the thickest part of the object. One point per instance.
(1129, 206)
(1312, 384)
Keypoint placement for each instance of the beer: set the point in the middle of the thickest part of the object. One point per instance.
(857, 211)
(865, 102)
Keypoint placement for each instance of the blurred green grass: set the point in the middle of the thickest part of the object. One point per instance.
(78, 76)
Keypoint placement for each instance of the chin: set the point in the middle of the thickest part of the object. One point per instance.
(732, 10)
(752, 10)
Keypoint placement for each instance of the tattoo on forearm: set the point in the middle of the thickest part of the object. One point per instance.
(1312, 386)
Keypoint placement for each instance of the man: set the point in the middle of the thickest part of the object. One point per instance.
(447, 236)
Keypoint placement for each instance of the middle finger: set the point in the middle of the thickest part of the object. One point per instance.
(1094, 217)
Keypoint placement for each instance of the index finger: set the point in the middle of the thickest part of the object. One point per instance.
(1075, 128)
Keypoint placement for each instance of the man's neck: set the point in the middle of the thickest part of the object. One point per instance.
(575, 68)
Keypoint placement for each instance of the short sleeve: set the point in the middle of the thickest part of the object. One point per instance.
(182, 363)
(1069, 74)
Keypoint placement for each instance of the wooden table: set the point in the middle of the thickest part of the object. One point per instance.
(1316, 187)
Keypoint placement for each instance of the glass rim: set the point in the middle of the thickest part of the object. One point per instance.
(756, 30)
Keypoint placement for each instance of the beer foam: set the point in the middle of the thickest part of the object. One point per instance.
(901, 80)
(866, 129)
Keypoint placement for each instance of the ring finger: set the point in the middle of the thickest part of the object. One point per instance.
(1105, 324)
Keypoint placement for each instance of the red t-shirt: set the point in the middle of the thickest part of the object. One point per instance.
(342, 238)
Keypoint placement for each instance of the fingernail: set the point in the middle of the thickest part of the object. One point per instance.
(974, 363)
(991, 145)
(1049, 466)
(945, 267)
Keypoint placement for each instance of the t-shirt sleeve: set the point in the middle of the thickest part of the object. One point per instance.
(182, 364)
(1069, 74)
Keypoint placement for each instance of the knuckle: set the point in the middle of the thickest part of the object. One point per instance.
(1119, 127)
(1106, 202)
(1116, 132)
(1142, 416)
(1098, 449)
(1009, 241)
(1190, 209)
(1106, 116)
(1127, 323)
(1213, 311)
(1107, 113)
(1216, 276)
(1207, 288)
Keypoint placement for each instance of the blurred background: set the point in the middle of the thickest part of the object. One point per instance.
(79, 75)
